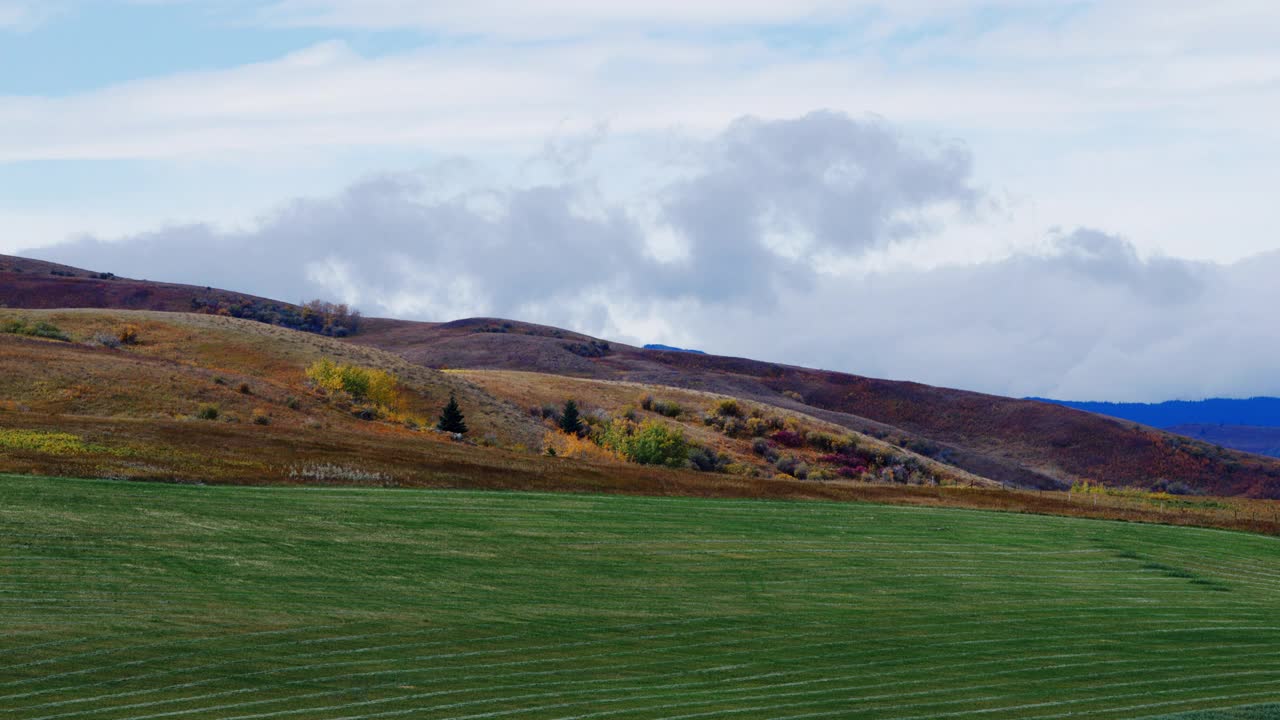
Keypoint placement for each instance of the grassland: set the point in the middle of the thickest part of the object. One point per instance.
(123, 600)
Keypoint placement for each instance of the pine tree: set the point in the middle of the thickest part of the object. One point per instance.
(570, 420)
(452, 420)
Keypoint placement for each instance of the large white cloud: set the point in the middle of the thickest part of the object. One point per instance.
(761, 245)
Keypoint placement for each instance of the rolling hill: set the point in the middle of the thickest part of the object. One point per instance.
(1022, 443)
(1017, 443)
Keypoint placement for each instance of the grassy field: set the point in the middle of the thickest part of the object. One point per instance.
(140, 601)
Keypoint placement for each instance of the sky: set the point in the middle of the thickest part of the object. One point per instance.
(1045, 197)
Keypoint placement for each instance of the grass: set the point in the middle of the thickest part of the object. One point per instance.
(122, 600)
(173, 369)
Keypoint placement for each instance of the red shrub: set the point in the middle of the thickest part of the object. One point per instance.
(786, 438)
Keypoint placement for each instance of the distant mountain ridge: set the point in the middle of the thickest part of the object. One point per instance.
(669, 348)
(1256, 411)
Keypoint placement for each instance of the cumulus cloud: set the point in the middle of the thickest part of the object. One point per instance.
(822, 183)
(770, 220)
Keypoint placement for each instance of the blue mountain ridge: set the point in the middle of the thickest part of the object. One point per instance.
(1256, 411)
(668, 348)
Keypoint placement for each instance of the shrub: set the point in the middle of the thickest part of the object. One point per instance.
(821, 441)
(292, 403)
(733, 427)
(208, 411)
(848, 447)
(41, 329)
(244, 389)
(260, 417)
(591, 349)
(756, 427)
(106, 340)
(793, 395)
(924, 447)
(761, 447)
(787, 465)
(850, 472)
(667, 408)
(559, 444)
(788, 438)
(376, 386)
(127, 334)
(706, 460)
(657, 444)
(649, 444)
(728, 408)
(646, 402)
(1174, 487)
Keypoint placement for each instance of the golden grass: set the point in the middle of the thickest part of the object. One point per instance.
(614, 397)
(179, 358)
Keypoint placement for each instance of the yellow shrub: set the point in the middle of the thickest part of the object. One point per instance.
(383, 388)
(127, 334)
(363, 384)
(573, 446)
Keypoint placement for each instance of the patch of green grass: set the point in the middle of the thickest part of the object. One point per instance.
(123, 600)
(42, 329)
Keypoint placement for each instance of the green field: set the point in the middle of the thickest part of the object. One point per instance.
(161, 601)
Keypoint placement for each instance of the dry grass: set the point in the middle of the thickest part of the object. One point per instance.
(614, 397)
(184, 360)
(72, 409)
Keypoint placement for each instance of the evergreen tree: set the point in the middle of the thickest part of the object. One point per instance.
(451, 420)
(570, 420)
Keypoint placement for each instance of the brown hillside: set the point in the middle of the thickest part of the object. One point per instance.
(1020, 442)
(77, 406)
(1017, 442)
(36, 284)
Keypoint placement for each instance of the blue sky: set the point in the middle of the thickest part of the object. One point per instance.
(126, 124)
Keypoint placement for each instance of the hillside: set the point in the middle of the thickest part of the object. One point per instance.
(78, 402)
(29, 283)
(131, 600)
(1018, 443)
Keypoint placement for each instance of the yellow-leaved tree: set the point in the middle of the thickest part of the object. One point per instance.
(363, 384)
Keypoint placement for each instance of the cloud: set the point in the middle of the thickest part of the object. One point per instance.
(653, 65)
(756, 209)
(774, 220)
(549, 17)
(24, 15)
